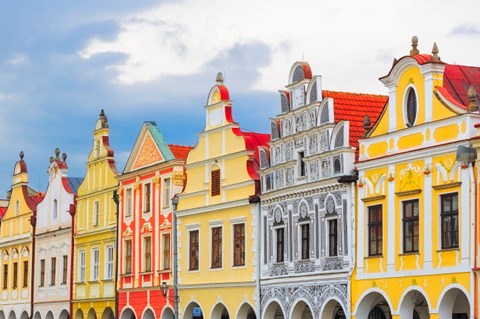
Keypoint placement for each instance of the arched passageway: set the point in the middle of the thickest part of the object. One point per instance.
(454, 305)
(64, 314)
(414, 305)
(108, 313)
(246, 312)
(79, 314)
(167, 313)
(128, 314)
(220, 312)
(374, 306)
(301, 310)
(333, 310)
(193, 311)
(148, 314)
(274, 311)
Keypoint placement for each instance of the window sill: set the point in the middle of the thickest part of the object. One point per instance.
(194, 270)
(410, 253)
(448, 249)
(130, 274)
(108, 280)
(77, 283)
(216, 268)
(373, 257)
(163, 271)
(239, 266)
(95, 281)
(148, 272)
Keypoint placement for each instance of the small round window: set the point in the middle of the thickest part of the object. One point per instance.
(411, 107)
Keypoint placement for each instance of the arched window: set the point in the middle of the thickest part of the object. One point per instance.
(55, 208)
(264, 163)
(313, 93)
(411, 107)
(324, 116)
(339, 138)
(284, 103)
(298, 74)
(274, 129)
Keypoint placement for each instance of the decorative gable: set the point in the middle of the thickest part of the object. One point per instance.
(148, 153)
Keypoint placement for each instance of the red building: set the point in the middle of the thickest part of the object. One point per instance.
(154, 173)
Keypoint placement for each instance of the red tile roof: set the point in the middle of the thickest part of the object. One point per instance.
(422, 58)
(456, 80)
(180, 151)
(252, 142)
(353, 107)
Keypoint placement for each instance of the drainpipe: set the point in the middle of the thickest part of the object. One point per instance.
(116, 199)
(175, 254)
(256, 200)
(72, 211)
(33, 222)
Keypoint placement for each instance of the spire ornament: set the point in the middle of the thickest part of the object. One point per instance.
(219, 78)
(472, 98)
(435, 57)
(414, 49)
(22, 155)
(57, 152)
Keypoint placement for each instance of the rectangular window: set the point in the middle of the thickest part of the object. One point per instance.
(411, 226)
(15, 275)
(280, 245)
(25, 274)
(239, 245)
(305, 231)
(146, 197)
(95, 263)
(301, 164)
(375, 230)
(128, 256)
(449, 217)
(65, 269)
(5, 276)
(215, 182)
(128, 202)
(109, 265)
(53, 271)
(81, 273)
(166, 193)
(332, 237)
(147, 256)
(166, 251)
(96, 212)
(216, 247)
(42, 272)
(194, 241)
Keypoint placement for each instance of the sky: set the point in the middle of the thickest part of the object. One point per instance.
(61, 62)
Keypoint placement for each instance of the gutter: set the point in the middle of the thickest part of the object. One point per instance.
(116, 199)
(72, 211)
(33, 222)
(255, 199)
(175, 255)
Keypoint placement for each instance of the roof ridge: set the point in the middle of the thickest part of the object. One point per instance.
(356, 93)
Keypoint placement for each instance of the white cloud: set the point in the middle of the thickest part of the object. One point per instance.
(340, 39)
(19, 59)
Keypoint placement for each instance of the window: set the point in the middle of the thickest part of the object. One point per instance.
(95, 263)
(5, 276)
(17, 207)
(65, 269)
(146, 197)
(449, 217)
(239, 245)
(216, 247)
(15, 275)
(109, 265)
(42, 272)
(81, 273)
(128, 202)
(301, 164)
(53, 271)
(166, 193)
(280, 245)
(332, 237)
(25, 274)
(147, 256)
(128, 256)
(96, 208)
(55, 209)
(375, 230)
(410, 226)
(411, 107)
(215, 182)
(305, 241)
(193, 238)
(166, 251)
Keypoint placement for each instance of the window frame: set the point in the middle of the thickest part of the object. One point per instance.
(109, 262)
(5, 276)
(53, 271)
(96, 213)
(193, 246)
(82, 265)
(15, 275)
(25, 274)
(147, 197)
(65, 269)
(454, 233)
(147, 253)
(216, 247)
(304, 240)
(42, 273)
(279, 253)
(128, 202)
(215, 181)
(410, 220)
(238, 254)
(127, 256)
(166, 192)
(376, 227)
(95, 275)
(166, 251)
(408, 90)
(332, 237)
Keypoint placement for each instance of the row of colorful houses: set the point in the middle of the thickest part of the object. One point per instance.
(354, 206)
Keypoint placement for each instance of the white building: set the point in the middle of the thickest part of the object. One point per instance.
(308, 188)
(53, 243)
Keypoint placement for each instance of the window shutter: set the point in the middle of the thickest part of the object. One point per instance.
(215, 182)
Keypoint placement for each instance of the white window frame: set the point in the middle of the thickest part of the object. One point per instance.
(124, 256)
(128, 206)
(327, 239)
(144, 186)
(96, 213)
(81, 265)
(109, 256)
(144, 264)
(167, 186)
(95, 264)
(162, 251)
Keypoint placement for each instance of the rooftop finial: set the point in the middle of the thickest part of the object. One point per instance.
(435, 57)
(51, 159)
(57, 152)
(366, 125)
(414, 49)
(64, 157)
(102, 113)
(219, 78)
(472, 98)
(22, 155)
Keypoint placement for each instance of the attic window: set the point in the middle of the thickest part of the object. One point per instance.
(411, 107)
(215, 182)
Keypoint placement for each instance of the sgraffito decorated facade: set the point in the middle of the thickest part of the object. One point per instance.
(217, 217)
(308, 198)
(154, 173)
(95, 232)
(416, 197)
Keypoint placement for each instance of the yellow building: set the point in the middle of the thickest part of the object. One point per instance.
(16, 246)
(416, 201)
(217, 217)
(95, 231)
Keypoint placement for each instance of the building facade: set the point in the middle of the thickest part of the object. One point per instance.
(154, 173)
(308, 196)
(217, 218)
(53, 243)
(416, 198)
(17, 245)
(95, 232)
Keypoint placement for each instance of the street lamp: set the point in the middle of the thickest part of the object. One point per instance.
(164, 289)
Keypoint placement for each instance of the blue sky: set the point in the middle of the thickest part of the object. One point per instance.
(63, 61)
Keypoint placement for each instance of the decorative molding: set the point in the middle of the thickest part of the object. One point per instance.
(373, 198)
(447, 185)
(409, 192)
(178, 178)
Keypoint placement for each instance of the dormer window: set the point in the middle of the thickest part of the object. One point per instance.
(411, 107)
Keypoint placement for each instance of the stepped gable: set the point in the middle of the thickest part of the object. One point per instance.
(353, 107)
